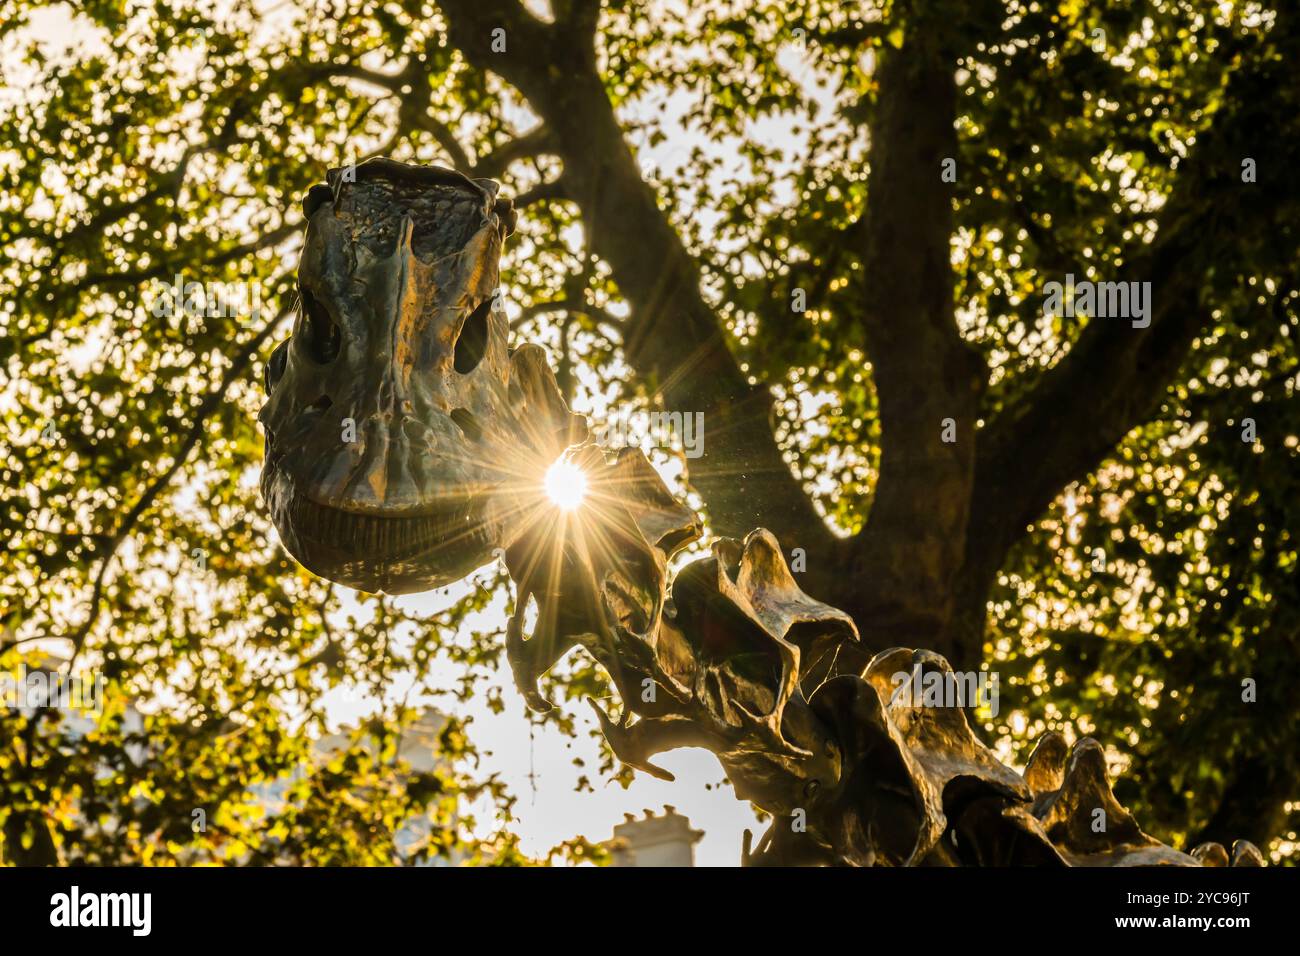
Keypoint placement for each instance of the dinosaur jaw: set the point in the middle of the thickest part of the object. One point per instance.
(393, 554)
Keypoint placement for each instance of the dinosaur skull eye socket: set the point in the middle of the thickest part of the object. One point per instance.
(320, 335)
(275, 364)
(471, 344)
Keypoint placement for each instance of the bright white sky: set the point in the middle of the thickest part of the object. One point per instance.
(552, 811)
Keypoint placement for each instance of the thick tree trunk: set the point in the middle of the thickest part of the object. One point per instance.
(927, 380)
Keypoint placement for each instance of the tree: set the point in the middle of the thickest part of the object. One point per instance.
(843, 267)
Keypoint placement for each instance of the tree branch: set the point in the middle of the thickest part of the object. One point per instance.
(418, 119)
(674, 340)
(163, 269)
(581, 15)
(239, 363)
(1115, 375)
(609, 325)
(542, 192)
(493, 164)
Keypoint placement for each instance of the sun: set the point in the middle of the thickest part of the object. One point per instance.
(566, 484)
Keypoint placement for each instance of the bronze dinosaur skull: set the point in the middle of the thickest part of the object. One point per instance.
(388, 423)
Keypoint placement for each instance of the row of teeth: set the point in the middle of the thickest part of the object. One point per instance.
(372, 534)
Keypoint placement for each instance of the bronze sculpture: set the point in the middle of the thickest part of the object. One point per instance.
(405, 445)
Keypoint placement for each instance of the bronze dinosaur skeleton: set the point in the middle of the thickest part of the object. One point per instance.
(404, 445)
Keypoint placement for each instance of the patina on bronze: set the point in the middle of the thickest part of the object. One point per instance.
(451, 433)
(392, 410)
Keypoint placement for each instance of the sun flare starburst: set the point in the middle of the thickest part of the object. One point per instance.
(566, 484)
